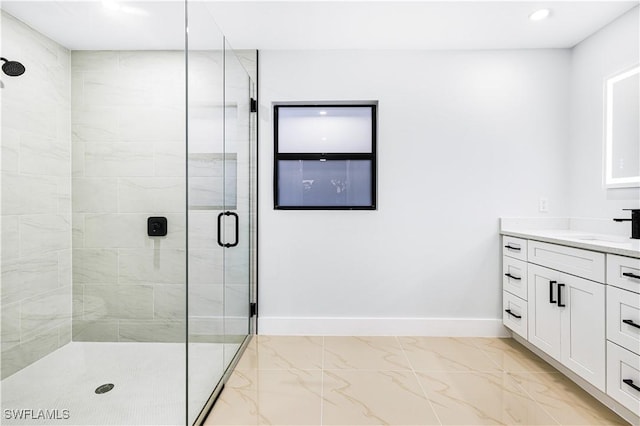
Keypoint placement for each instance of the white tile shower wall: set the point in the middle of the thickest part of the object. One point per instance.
(36, 203)
(128, 164)
(614, 48)
(463, 138)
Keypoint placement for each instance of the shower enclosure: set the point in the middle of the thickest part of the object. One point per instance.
(129, 118)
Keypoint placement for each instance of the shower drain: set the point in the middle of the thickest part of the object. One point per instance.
(104, 388)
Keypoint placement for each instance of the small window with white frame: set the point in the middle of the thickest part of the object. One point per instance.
(325, 156)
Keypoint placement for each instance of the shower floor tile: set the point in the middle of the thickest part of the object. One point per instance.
(149, 381)
(400, 381)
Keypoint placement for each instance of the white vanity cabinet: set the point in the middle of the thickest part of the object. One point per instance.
(565, 305)
(623, 331)
(577, 305)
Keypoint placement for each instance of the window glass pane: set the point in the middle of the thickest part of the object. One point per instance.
(324, 129)
(331, 183)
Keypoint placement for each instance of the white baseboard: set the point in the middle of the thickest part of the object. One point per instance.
(328, 326)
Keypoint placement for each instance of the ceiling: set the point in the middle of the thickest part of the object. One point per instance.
(114, 24)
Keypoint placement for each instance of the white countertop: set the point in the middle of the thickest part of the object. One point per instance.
(604, 243)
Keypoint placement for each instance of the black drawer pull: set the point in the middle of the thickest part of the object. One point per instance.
(512, 314)
(631, 323)
(516, 248)
(630, 383)
(551, 283)
(512, 277)
(631, 275)
(560, 305)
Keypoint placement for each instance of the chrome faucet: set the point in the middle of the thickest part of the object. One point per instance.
(635, 223)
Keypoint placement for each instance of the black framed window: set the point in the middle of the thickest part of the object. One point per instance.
(325, 156)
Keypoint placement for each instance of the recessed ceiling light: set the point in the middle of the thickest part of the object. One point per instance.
(539, 15)
(323, 113)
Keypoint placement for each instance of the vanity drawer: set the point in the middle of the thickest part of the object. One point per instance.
(623, 272)
(514, 247)
(516, 317)
(582, 263)
(623, 318)
(514, 276)
(623, 377)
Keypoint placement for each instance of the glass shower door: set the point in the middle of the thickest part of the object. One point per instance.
(218, 170)
(205, 187)
(237, 131)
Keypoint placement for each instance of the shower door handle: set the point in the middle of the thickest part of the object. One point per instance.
(237, 231)
(235, 242)
(220, 243)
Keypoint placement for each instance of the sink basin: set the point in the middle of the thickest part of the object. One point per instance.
(601, 238)
(595, 238)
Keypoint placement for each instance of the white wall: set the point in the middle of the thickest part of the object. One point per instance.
(464, 138)
(612, 49)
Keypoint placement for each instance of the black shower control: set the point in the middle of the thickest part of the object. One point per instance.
(157, 226)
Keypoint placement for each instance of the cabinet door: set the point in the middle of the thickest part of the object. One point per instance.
(543, 311)
(583, 328)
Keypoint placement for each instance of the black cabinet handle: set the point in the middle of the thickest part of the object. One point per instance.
(631, 323)
(512, 277)
(512, 248)
(629, 382)
(631, 275)
(551, 283)
(512, 314)
(235, 243)
(560, 295)
(220, 243)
